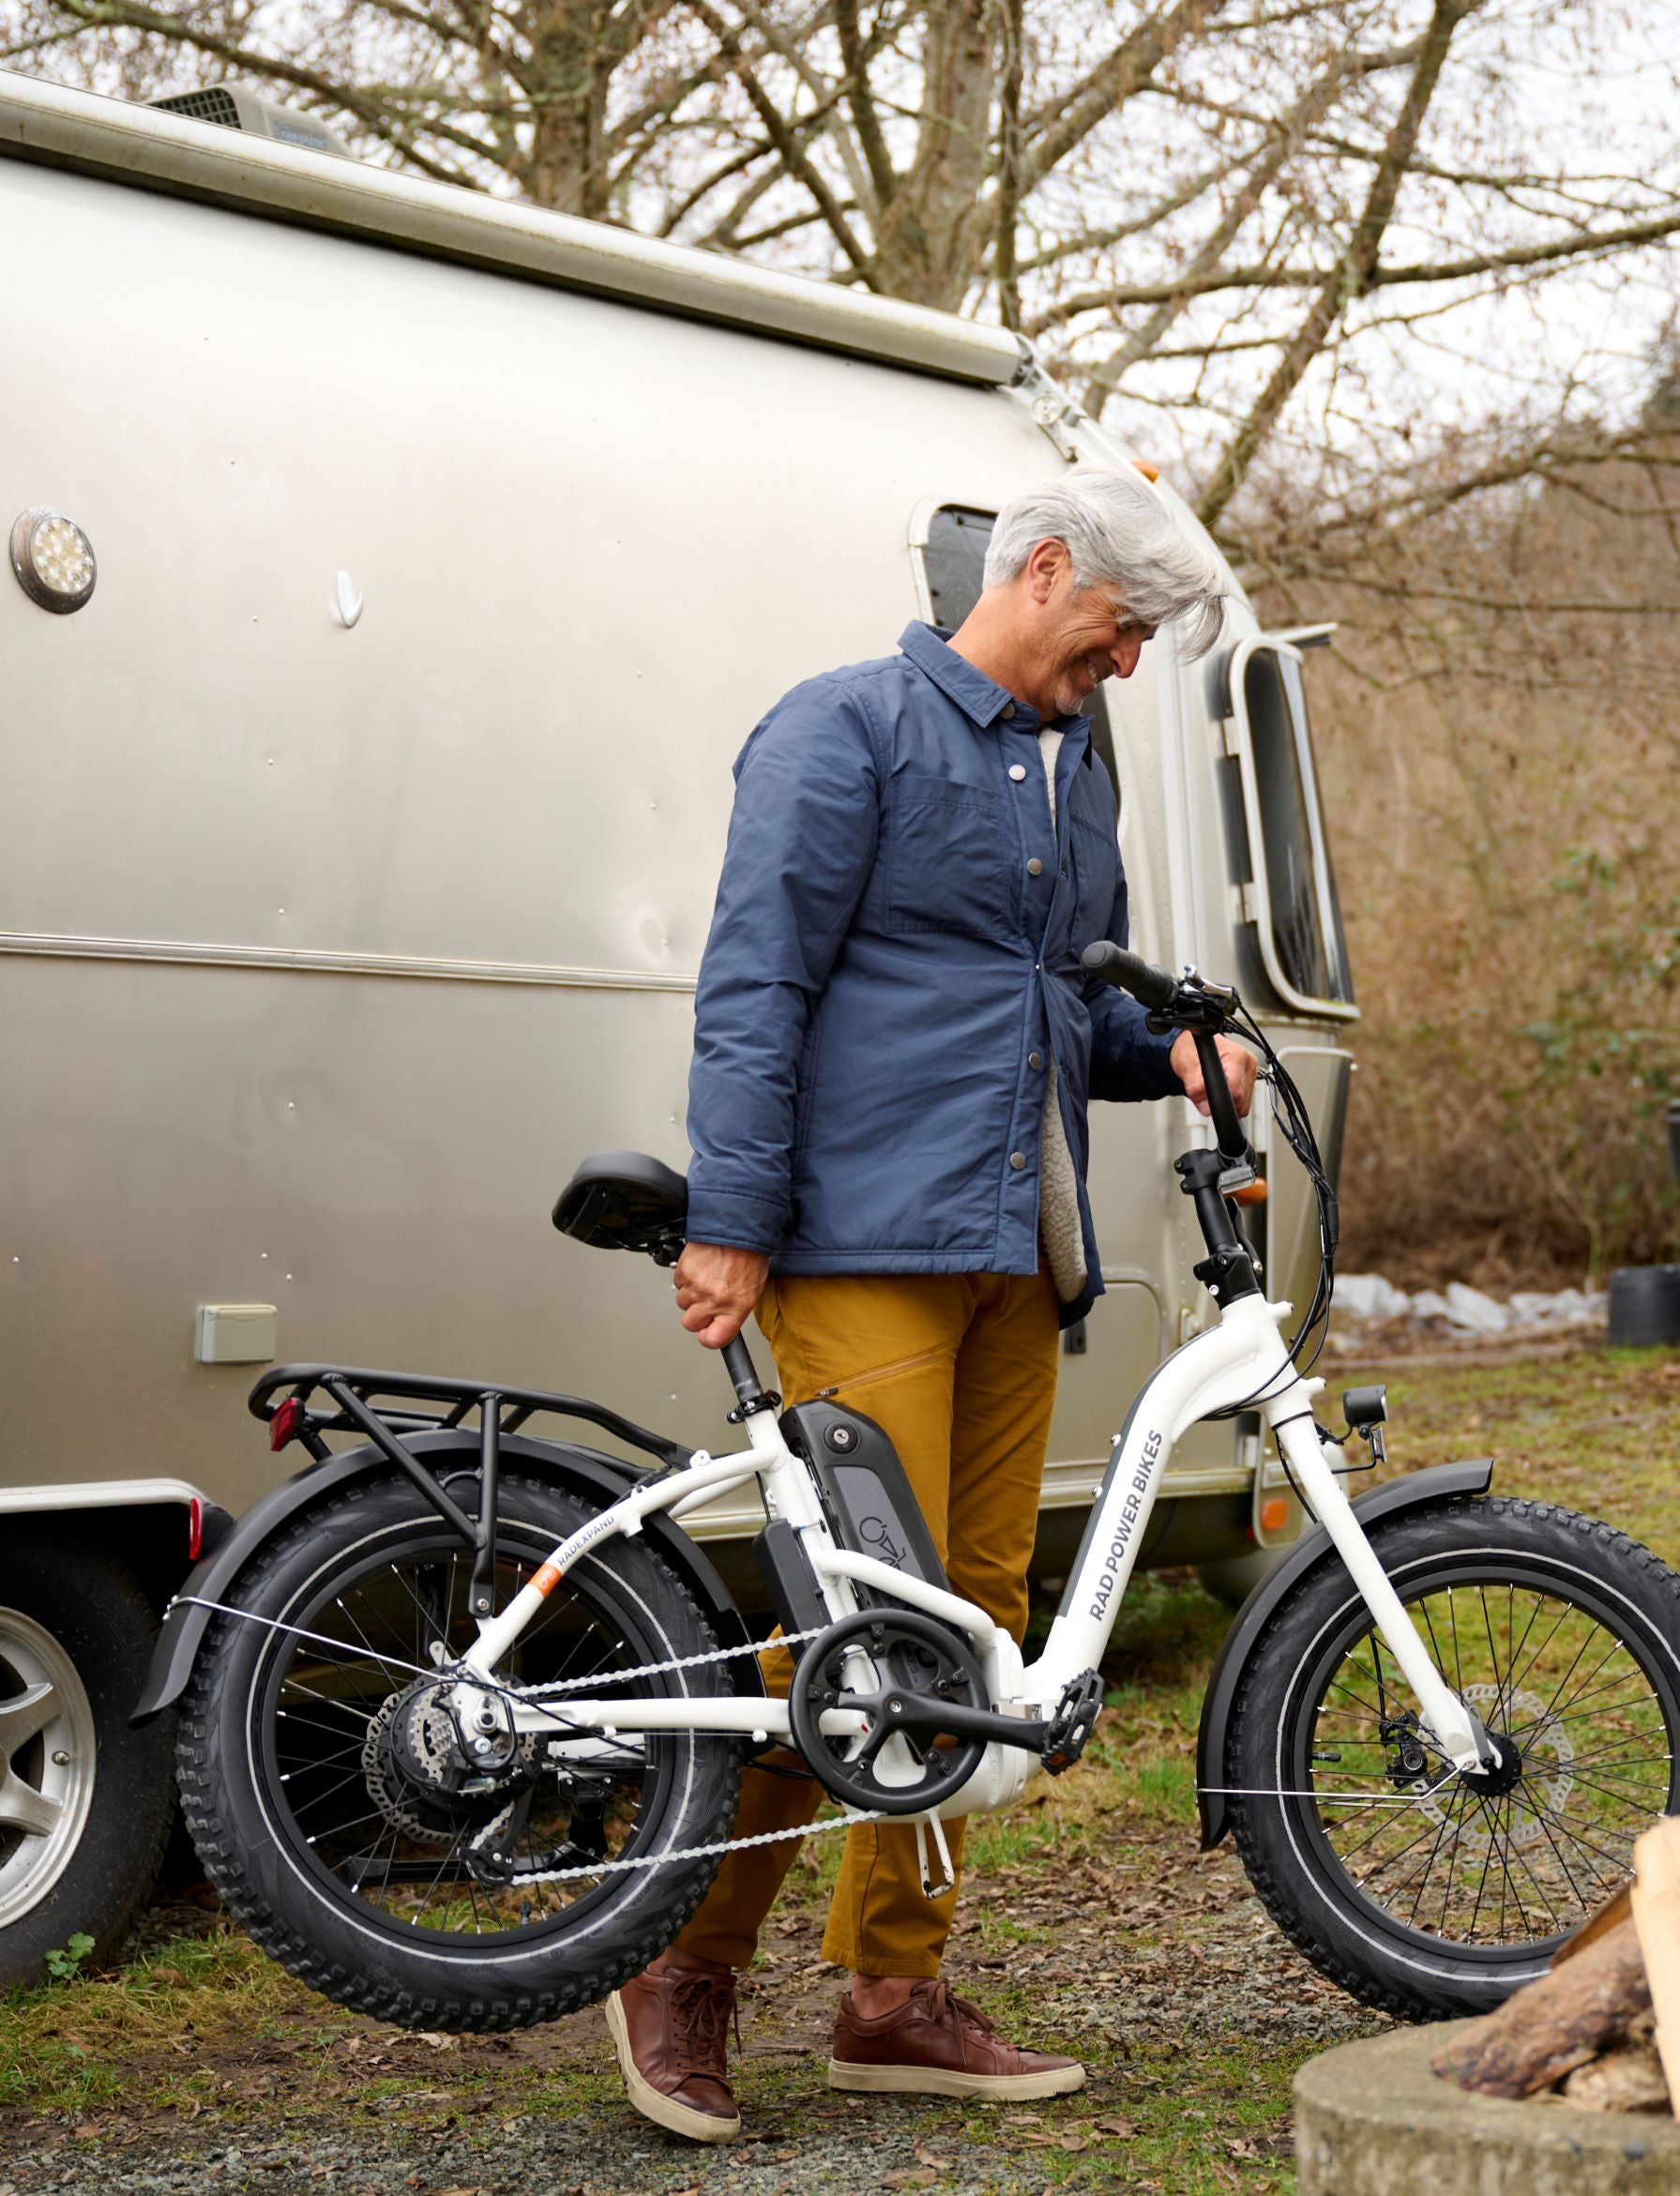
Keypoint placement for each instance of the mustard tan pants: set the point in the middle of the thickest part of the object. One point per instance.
(961, 1370)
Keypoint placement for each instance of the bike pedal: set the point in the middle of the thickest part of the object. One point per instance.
(1069, 1729)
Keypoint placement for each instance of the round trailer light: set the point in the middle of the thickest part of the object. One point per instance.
(52, 559)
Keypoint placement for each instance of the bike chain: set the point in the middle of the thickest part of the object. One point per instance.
(560, 1686)
(726, 1845)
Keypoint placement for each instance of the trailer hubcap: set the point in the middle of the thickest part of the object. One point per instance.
(48, 1756)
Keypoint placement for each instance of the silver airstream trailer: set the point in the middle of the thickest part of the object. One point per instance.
(397, 573)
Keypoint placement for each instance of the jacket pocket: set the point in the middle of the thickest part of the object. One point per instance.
(947, 866)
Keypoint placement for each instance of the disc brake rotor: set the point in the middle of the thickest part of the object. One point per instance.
(1541, 1787)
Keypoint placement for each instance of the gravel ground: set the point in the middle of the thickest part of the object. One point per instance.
(1161, 1971)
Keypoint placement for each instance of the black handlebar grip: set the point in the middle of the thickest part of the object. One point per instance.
(1150, 985)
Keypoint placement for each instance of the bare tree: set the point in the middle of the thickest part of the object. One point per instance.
(1244, 222)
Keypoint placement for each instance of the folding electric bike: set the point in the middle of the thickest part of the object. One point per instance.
(463, 1711)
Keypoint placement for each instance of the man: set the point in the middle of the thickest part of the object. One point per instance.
(895, 1046)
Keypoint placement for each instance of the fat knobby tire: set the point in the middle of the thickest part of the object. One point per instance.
(1305, 1893)
(344, 1948)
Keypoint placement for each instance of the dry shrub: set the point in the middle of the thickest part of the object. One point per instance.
(1499, 756)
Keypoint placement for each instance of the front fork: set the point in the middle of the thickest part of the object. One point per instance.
(1459, 1733)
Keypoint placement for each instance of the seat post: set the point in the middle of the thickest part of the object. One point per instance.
(737, 1362)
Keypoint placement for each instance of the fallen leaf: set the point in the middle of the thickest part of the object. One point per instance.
(1114, 2126)
(1076, 2142)
(786, 2157)
(86, 2128)
(920, 2176)
(927, 2158)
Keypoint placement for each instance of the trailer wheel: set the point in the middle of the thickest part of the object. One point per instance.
(85, 1801)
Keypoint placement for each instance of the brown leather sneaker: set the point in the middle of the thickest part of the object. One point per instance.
(939, 2045)
(670, 2031)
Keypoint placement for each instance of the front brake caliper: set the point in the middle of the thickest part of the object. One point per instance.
(1409, 1762)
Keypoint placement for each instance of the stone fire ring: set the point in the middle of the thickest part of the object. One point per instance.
(1373, 2120)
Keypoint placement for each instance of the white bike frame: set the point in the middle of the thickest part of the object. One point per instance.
(1240, 1360)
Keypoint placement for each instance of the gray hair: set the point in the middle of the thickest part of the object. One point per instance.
(1120, 531)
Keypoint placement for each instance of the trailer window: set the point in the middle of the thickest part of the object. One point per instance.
(953, 557)
(1288, 884)
(953, 560)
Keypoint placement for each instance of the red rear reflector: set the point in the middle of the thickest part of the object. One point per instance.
(283, 1426)
(195, 1528)
(1274, 1514)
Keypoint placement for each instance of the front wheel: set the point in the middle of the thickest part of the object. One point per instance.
(1421, 1891)
(408, 1869)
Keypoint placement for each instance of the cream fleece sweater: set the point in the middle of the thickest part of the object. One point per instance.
(1058, 1189)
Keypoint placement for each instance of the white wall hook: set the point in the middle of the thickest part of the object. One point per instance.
(350, 603)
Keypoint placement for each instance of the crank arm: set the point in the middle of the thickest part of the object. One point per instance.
(915, 1713)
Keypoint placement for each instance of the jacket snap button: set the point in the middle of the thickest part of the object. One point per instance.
(1018, 1160)
(1035, 1059)
(1034, 868)
(1008, 709)
(1018, 771)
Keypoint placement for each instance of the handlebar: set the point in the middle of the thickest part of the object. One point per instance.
(1188, 1003)
(1129, 972)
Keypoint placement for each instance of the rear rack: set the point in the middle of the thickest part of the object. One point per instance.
(361, 1403)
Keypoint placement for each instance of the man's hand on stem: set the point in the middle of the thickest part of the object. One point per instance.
(1239, 1063)
(717, 1286)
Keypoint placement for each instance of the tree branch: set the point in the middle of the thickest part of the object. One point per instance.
(1112, 83)
(1351, 277)
(783, 138)
(872, 143)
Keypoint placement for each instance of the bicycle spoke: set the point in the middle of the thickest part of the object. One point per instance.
(1498, 1867)
(363, 1801)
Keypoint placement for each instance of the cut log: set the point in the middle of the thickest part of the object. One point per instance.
(1656, 1918)
(1554, 2024)
(1628, 2078)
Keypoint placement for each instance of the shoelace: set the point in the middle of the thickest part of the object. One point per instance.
(702, 2009)
(942, 2001)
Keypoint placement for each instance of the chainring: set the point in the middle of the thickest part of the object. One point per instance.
(875, 1663)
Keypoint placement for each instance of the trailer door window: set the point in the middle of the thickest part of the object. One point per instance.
(1288, 884)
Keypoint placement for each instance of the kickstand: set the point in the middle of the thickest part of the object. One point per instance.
(948, 1873)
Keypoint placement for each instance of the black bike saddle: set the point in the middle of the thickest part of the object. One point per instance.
(625, 1201)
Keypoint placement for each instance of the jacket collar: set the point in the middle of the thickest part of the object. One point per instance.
(980, 698)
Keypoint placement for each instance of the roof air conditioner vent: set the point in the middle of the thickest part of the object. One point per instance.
(234, 108)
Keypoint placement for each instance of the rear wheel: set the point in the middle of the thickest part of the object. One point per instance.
(336, 1811)
(1419, 1889)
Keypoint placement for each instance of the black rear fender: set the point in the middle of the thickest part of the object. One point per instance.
(1314, 1548)
(593, 1476)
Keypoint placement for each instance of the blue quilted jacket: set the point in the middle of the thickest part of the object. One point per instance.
(894, 958)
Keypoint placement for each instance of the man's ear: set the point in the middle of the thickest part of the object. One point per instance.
(1044, 563)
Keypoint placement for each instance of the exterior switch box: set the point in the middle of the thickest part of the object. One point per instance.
(236, 1334)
